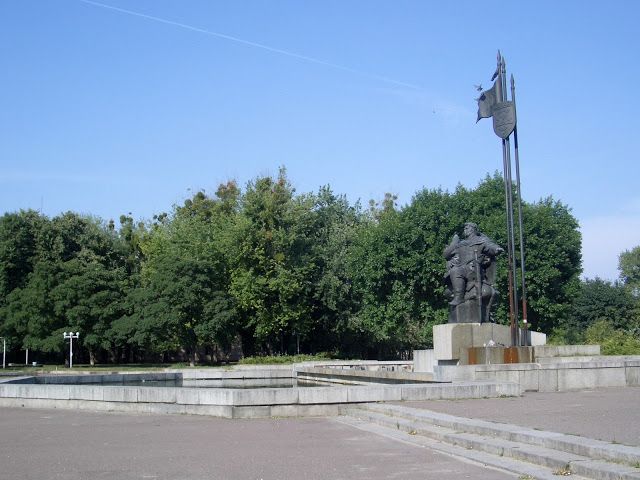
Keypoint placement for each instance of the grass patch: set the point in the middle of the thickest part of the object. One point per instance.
(283, 359)
(564, 471)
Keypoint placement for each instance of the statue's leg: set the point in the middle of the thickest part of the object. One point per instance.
(458, 284)
(487, 311)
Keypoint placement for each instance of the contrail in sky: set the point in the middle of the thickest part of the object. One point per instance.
(253, 44)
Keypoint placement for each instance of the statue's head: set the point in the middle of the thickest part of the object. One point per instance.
(470, 229)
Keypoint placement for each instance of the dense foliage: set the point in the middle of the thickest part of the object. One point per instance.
(605, 313)
(267, 271)
(629, 266)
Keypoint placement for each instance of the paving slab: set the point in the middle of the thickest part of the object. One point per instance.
(73, 445)
(608, 414)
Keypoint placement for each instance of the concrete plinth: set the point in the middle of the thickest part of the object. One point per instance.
(423, 361)
(451, 340)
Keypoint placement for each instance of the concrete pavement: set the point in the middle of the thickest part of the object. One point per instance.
(72, 445)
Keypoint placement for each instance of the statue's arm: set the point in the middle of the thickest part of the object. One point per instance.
(451, 249)
(493, 249)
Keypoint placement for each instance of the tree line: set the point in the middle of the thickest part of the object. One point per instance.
(267, 270)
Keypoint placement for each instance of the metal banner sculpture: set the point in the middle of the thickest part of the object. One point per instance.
(494, 103)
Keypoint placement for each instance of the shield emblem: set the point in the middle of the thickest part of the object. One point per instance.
(504, 119)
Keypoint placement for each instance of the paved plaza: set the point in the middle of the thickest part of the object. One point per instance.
(73, 445)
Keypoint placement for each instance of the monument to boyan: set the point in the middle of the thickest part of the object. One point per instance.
(471, 264)
(470, 281)
(471, 274)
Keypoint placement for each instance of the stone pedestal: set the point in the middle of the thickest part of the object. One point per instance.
(452, 340)
(423, 361)
(469, 312)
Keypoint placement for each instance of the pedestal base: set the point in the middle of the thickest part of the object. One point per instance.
(468, 312)
(452, 340)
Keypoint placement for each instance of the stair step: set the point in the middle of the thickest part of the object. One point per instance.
(586, 447)
(522, 469)
(495, 445)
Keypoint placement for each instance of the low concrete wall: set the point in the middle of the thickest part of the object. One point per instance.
(240, 372)
(104, 378)
(240, 378)
(593, 358)
(551, 377)
(360, 377)
(235, 403)
(362, 365)
(546, 351)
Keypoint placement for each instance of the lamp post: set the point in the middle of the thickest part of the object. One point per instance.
(71, 336)
(4, 351)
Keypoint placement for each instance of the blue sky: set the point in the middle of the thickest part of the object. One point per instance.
(108, 112)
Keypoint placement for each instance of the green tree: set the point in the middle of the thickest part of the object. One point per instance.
(185, 281)
(600, 300)
(18, 257)
(272, 263)
(18, 248)
(90, 297)
(127, 242)
(629, 266)
(553, 256)
(382, 295)
(334, 230)
(28, 312)
(75, 283)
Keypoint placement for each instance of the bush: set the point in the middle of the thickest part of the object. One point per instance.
(612, 341)
(558, 336)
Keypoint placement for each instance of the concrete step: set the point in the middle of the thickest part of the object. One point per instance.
(585, 447)
(520, 469)
(492, 446)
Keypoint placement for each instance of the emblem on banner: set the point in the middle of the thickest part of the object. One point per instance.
(504, 119)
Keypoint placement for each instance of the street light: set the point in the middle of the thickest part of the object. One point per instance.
(71, 336)
(4, 351)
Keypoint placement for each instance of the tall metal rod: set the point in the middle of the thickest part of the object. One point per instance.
(512, 301)
(520, 227)
(514, 266)
(512, 242)
(506, 162)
